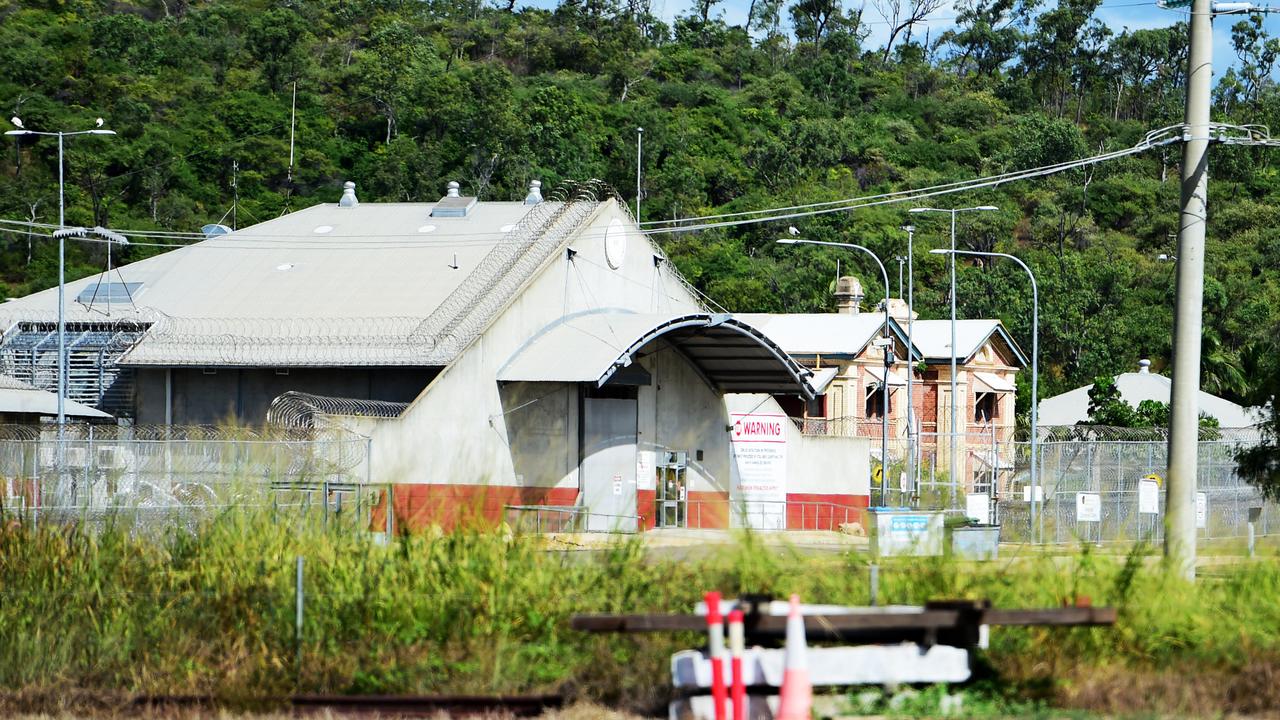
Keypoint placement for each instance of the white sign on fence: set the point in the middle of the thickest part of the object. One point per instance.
(978, 507)
(1088, 507)
(1202, 510)
(759, 488)
(1026, 493)
(1149, 497)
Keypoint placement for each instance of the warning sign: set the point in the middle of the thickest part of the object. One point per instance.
(758, 443)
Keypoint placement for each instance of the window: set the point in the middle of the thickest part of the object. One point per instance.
(986, 408)
(875, 401)
(816, 408)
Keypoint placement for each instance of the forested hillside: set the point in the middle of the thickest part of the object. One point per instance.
(800, 107)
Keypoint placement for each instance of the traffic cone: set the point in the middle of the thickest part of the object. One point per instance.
(715, 649)
(796, 701)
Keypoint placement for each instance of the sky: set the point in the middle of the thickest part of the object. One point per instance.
(1116, 14)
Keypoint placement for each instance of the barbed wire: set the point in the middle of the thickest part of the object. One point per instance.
(299, 411)
(1107, 433)
(540, 233)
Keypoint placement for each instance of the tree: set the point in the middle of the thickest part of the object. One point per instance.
(903, 15)
(1260, 464)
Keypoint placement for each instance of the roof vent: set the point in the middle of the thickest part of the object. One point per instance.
(1144, 366)
(348, 195)
(848, 295)
(453, 205)
(535, 193)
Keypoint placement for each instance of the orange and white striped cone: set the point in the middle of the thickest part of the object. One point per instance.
(796, 701)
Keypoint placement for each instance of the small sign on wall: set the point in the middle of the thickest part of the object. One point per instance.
(1088, 507)
(1149, 497)
(978, 507)
(617, 484)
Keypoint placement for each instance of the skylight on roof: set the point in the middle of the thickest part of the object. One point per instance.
(103, 292)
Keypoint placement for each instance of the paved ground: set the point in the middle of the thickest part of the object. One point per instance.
(686, 544)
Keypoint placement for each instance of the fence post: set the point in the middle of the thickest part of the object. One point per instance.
(390, 510)
(299, 602)
(875, 584)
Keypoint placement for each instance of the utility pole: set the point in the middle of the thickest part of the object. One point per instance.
(1184, 416)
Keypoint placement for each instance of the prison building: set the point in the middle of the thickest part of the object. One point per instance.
(530, 357)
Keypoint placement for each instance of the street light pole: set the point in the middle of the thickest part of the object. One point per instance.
(912, 435)
(888, 355)
(954, 383)
(1035, 366)
(62, 258)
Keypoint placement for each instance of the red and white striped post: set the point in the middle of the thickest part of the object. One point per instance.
(715, 646)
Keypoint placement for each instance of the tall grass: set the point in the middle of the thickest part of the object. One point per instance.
(212, 611)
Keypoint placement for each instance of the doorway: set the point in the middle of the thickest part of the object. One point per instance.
(609, 461)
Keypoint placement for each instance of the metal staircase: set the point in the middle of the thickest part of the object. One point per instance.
(29, 352)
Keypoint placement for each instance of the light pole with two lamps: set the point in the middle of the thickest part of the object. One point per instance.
(888, 355)
(954, 384)
(61, 236)
(1035, 370)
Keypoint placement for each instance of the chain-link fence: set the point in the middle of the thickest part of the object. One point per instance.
(168, 476)
(1092, 493)
(1083, 473)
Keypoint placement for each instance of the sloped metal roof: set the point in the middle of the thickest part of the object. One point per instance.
(823, 333)
(933, 339)
(19, 398)
(374, 284)
(732, 355)
(1072, 407)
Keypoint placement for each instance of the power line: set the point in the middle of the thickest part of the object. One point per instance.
(1152, 140)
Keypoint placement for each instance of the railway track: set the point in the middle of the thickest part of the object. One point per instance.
(387, 706)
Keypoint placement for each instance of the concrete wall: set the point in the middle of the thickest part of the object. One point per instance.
(202, 397)
(463, 437)
(469, 443)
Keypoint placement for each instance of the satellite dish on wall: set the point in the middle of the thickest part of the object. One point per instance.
(214, 230)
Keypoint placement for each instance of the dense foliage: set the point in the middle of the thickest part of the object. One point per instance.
(402, 96)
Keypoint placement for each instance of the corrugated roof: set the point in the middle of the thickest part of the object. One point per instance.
(371, 262)
(375, 284)
(933, 338)
(730, 353)
(1072, 407)
(19, 398)
(990, 382)
(823, 333)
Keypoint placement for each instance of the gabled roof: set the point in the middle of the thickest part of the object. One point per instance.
(1072, 407)
(374, 284)
(933, 339)
(835, 334)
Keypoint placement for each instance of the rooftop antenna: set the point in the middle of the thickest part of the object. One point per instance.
(454, 264)
(293, 114)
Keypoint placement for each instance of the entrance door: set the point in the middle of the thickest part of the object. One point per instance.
(609, 464)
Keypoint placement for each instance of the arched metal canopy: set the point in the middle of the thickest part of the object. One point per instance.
(732, 355)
